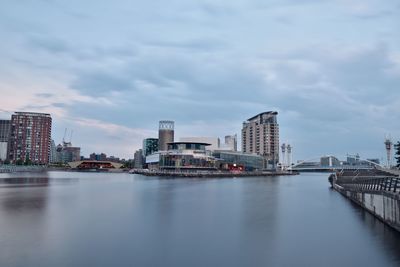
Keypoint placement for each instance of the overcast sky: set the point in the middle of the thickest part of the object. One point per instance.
(110, 70)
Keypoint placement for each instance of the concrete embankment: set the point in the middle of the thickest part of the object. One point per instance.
(210, 174)
(385, 205)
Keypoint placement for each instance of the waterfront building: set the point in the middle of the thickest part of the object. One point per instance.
(94, 165)
(150, 145)
(30, 137)
(214, 142)
(138, 159)
(188, 156)
(165, 134)
(151, 161)
(4, 138)
(232, 160)
(260, 135)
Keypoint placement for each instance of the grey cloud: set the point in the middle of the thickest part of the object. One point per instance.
(44, 95)
(204, 44)
(52, 45)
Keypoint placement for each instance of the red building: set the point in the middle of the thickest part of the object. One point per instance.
(30, 137)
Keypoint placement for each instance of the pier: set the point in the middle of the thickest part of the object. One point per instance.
(377, 191)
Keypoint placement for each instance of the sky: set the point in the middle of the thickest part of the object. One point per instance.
(110, 70)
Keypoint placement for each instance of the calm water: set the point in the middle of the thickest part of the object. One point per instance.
(85, 219)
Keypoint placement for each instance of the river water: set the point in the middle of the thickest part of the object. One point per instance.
(100, 219)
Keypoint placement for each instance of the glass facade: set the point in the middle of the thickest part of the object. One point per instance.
(186, 161)
(187, 146)
(150, 145)
(247, 161)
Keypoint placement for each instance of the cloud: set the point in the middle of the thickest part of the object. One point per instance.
(111, 71)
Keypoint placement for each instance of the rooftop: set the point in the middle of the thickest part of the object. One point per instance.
(262, 113)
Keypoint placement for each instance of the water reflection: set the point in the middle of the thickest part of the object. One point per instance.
(384, 234)
(129, 220)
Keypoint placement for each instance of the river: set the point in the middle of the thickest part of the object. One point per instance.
(100, 219)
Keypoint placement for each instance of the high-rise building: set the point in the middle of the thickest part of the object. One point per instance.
(30, 137)
(4, 138)
(165, 134)
(150, 145)
(138, 159)
(260, 135)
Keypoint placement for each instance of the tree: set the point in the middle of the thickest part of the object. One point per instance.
(397, 153)
(27, 160)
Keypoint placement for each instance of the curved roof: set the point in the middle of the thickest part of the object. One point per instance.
(194, 143)
(262, 113)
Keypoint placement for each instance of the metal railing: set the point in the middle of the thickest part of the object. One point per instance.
(377, 184)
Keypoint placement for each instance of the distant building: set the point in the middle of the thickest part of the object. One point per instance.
(376, 161)
(99, 157)
(213, 141)
(260, 135)
(4, 138)
(30, 137)
(138, 159)
(64, 153)
(353, 159)
(329, 161)
(150, 145)
(165, 134)
(230, 143)
(53, 152)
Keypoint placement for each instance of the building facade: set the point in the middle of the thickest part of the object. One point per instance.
(329, 161)
(138, 159)
(187, 156)
(4, 138)
(30, 137)
(165, 134)
(150, 146)
(260, 135)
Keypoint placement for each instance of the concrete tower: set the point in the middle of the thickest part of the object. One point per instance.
(289, 155)
(388, 146)
(165, 134)
(283, 149)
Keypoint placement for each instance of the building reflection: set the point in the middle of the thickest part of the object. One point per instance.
(25, 192)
